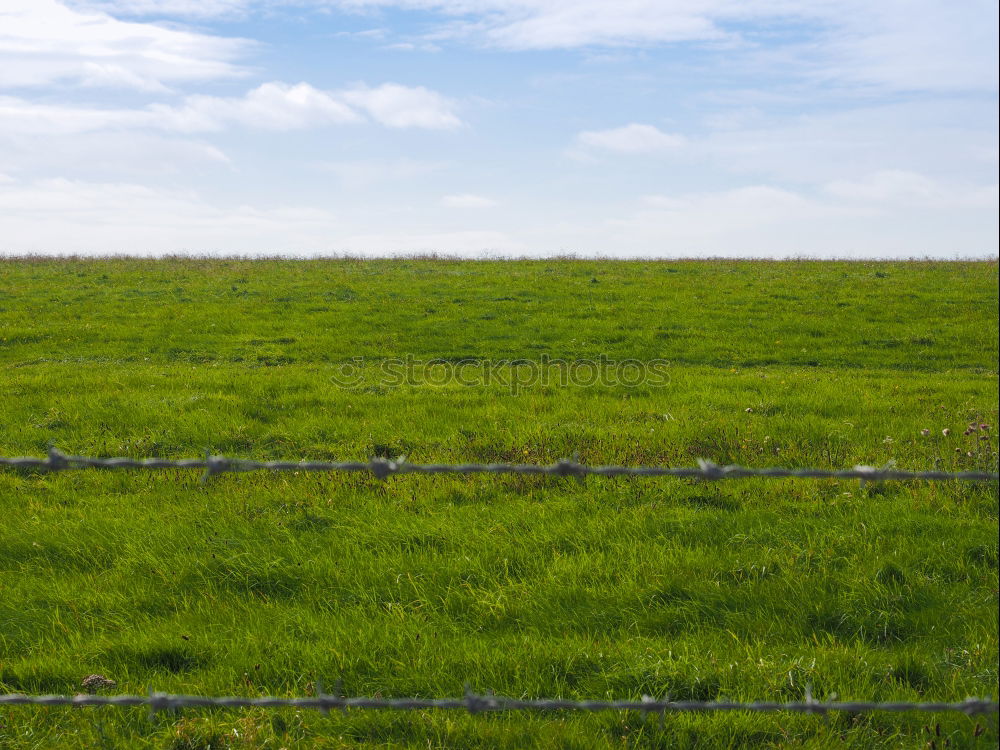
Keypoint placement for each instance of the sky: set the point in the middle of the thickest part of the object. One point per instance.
(633, 128)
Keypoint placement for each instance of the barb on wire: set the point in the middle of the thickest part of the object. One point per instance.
(476, 703)
(383, 468)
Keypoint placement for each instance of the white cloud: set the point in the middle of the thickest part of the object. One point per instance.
(398, 106)
(902, 188)
(467, 200)
(630, 139)
(731, 210)
(831, 158)
(559, 24)
(887, 185)
(165, 8)
(43, 42)
(95, 74)
(768, 221)
(937, 45)
(900, 44)
(934, 45)
(923, 137)
(578, 23)
(931, 44)
(842, 208)
(60, 215)
(472, 242)
(72, 216)
(110, 155)
(76, 216)
(271, 106)
(358, 173)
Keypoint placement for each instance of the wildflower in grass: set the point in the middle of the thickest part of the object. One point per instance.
(925, 432)
(946, 432)
(984, 427)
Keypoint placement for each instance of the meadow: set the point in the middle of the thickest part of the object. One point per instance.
(267, 584)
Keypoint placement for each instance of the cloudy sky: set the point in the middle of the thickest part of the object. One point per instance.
(842, 128)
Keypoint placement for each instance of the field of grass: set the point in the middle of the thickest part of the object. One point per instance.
(264, 584)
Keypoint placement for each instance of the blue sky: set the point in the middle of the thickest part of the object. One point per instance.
(826, 128)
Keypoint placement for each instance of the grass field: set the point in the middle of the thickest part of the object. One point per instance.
(262, 584)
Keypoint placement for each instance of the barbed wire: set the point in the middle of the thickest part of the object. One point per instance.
(382, 468)
(479, 703)
(472, 702)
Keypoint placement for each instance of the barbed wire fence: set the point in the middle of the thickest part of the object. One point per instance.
(472, 702)
(383, 468)
(476, 703)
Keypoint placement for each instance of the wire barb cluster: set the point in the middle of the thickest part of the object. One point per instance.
(477, 703)
(383, 468)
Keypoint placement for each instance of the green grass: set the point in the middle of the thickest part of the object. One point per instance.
(265, 584)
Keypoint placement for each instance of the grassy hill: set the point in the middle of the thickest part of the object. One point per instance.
(263, 584)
